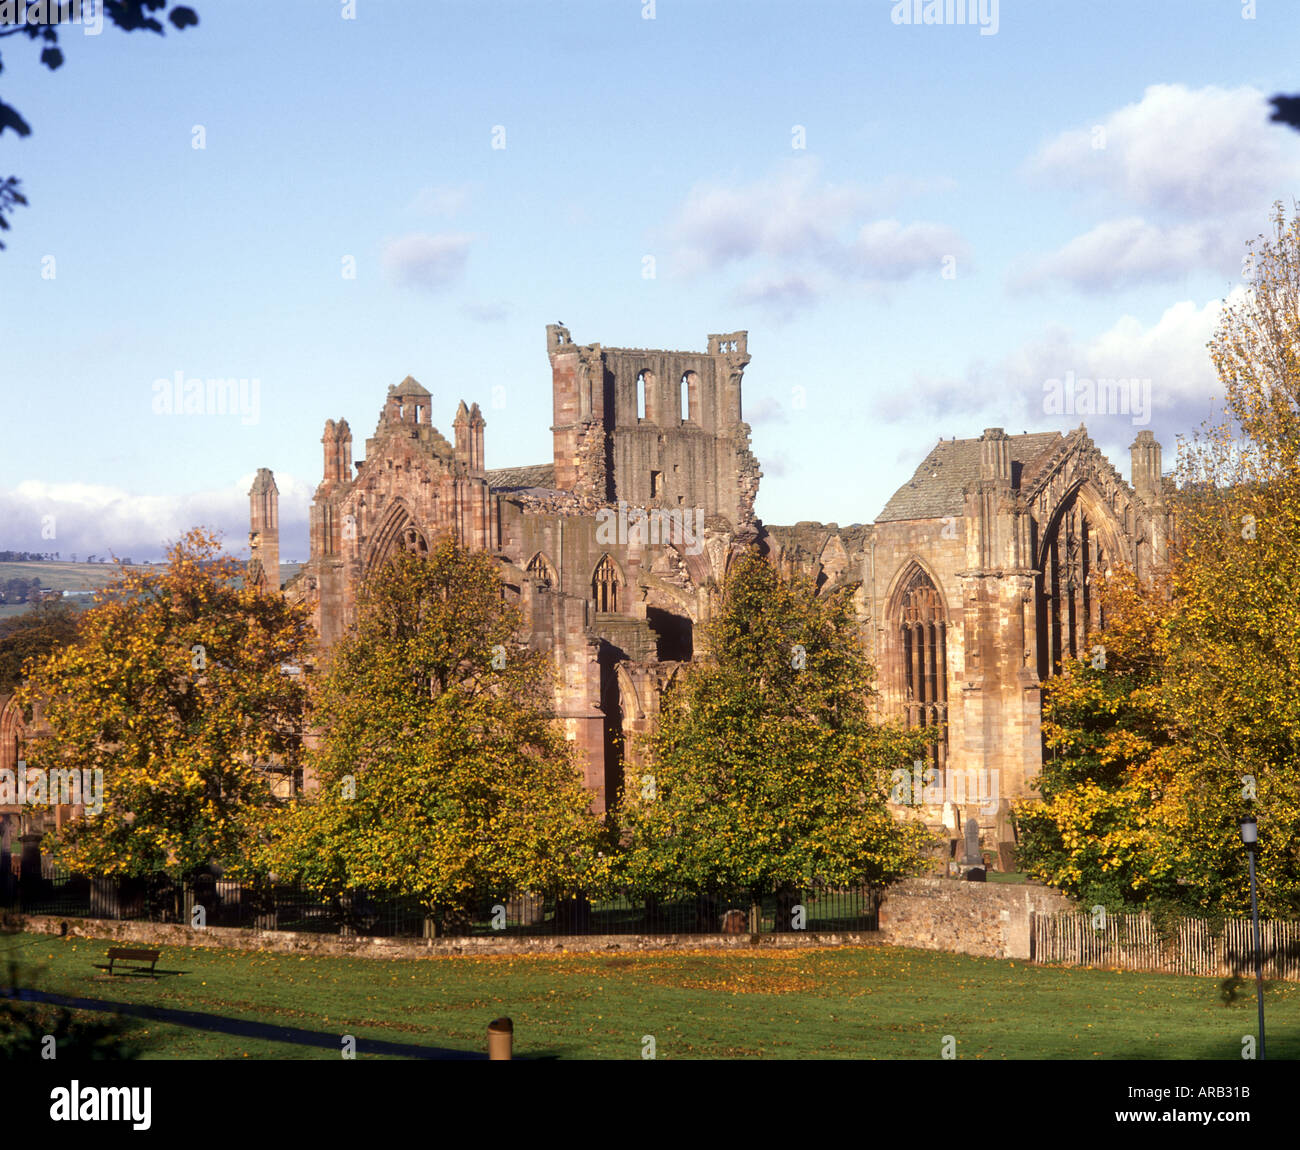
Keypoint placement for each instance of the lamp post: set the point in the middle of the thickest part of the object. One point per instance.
(1249, 836)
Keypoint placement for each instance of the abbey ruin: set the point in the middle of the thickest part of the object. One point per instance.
(973, 585)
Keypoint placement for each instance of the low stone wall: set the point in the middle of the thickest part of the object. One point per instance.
(157, 934)
(992, 920)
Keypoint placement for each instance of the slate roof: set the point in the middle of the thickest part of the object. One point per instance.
(515, 478)
(935, 490)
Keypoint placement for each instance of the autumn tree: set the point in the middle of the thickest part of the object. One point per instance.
(1195, 720)
(42, 629)
(1100, 828)
(177, 688)
(1233, 681)
(767, 769)
(443, 772)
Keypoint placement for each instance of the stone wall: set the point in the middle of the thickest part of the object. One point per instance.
(155, 934)
(991, 920)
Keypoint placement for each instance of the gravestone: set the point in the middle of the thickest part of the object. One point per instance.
(972, 832)
(950, 816)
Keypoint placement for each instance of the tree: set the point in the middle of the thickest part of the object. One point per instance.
(42, 23)
(42, 629)
(767, 769)
(176, 689)
(1100, 830)
(1195, 720)
(443, 771)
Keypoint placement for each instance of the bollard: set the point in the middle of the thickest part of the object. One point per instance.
(501, 1037)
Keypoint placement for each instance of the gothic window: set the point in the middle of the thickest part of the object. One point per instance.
(690, 397)
(539, 569)
(1068, 606)
(398, 533)
(923, 637)
(413, 541)
(642, 387)
(604, 585)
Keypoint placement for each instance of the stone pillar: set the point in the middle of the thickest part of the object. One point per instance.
(264, 525)
(1144, 454)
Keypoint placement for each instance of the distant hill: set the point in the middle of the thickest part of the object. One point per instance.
(78, 581)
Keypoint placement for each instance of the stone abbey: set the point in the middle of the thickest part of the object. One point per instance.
(972, 586)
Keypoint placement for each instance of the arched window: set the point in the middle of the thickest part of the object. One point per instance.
(604, 585)
(642, 387)
(412, 540)
(690, 397)
(1068, 606)
(539, 569)
(398, 533)
(923, 636)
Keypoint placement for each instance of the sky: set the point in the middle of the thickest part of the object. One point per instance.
(927, 229)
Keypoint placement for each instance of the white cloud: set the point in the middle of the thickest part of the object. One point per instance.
(802, 236)
(428, 262)
(1189, 152)
(888, 250)
(1189, 174)
(782, 296)
(91, 518)
(1125, 251)
(1170, 353)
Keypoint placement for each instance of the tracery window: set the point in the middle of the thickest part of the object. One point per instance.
(923, 634)
(412, 540)
(539, 569)
(604, 585)
(1068, 605)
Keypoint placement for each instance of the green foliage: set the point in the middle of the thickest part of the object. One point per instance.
(442, 768)
(38, 632)
(175, 687)
(1195, 720)
(767, 768)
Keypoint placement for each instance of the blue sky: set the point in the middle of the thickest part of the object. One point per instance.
(970, 216)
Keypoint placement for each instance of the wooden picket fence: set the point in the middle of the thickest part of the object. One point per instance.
(1131, 942)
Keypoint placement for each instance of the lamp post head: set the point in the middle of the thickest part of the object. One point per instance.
(1249, 833)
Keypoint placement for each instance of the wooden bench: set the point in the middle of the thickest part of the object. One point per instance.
(123, 954)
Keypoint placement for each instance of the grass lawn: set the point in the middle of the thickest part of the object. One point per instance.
(873, 1002)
